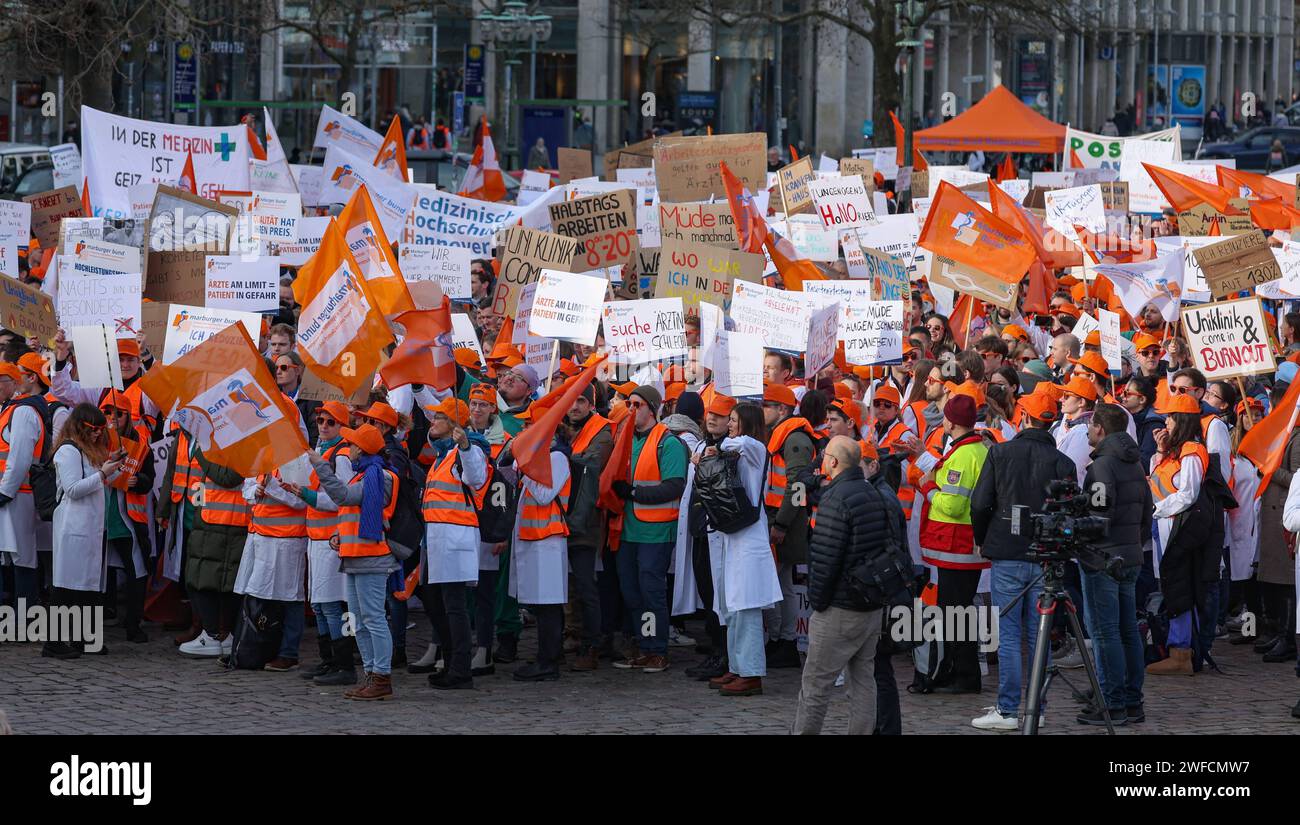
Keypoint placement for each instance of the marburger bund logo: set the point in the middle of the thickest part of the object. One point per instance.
(77, 778)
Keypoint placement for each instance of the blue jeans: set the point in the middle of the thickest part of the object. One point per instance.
(1007, 579)
(366, 592)
(643, 579)
(1112, 613)
(295, 619)
(745, 638)
(329, 618)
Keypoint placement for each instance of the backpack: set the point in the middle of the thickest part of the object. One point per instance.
(496, 519)
(257, 635)
(41, 475)
(406, 527)
(726, 504)
(439, 139)
(886, 578)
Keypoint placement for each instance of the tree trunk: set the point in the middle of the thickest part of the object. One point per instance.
(888, 83)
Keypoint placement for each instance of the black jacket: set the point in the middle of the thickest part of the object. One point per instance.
(851, 526)
(1189, 564)
(1016, 472)
(1146, 423)
(1124, 497)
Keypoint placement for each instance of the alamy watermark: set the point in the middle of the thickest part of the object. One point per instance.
(77, 624)
(918, 623)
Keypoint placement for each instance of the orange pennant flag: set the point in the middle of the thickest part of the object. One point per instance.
(1074, 160)
(794, 154)
(85, 198)
(483, 179)
(1214, 229)
(964, 310)
(619, 465)
(366, 239)
(959, 228)
(255, 147)
(1006, 169)
(918, 160)
(793, 270)
(1273, 214)
(1111, 249)
(532, 447)
(1184, 192)
(223, 395)
(1257, 186)
(1039, 290)
(426, 354)
(391, 157)
(503, 348)
(189, 182)
(341, 331)
(1266, 442)
(1053, 250)
(751, 226)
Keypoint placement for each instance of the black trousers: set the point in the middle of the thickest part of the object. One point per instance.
(135, 582)
(889, 715)
(613, 618)
(550, 634)
(217, 611)
(961, 666)
(582, 563)
(704, 584)
(447, 610)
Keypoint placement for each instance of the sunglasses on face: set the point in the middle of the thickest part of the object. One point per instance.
(911, 356)
(1150, 352)
(1025, 359)
(326, 421)
(283, 367)
(635, 405)
(883, 405)
(1180, 390)
(95, 428)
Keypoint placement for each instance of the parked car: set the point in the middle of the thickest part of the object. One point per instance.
(1251, 148)
(17, 158)
(39, 178)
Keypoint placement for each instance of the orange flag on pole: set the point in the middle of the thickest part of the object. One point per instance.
(391, 157)
(341, 331)
(483, 179)
(368, 243)
(1256, 186)
(918, 160)
(1184, 191)
(188, 181)
(751, 226)
(1266, 442)
(1006, 169)
(223, 395)
(426, 354)
(1273, 214)
(792, 269)
(619, 464)
(959, 228)
(532, 447)
(255, 147)
(1053, 250)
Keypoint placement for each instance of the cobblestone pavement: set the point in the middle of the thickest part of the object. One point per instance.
(149, 688)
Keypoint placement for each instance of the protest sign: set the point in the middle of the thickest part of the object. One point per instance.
(711, 320)
(687, 168)
(639, 332)
(1114, 196)
(573, 163)
(532, 185)
(48, 209)
(889, 281)
(233, 282)
(1085, 325)
(445, 219)
(153, 324)
(894, 235)
(335, 129)
(524, 312)
(97, 364)
(1052, 180)
(863, 168)
(72, 230)
(778, 316)
(638, 277)
(183, 220)
(855, 261)
(814, 241)
(448, 265)
(841, 202)
(525, 253)
(1104, 151)
(307, 241)
(604, 226)
(958, 176)
(88, 297)
(122, 151)
(312, 388)
(463, 335)
(737, 363)
(1017, 188)
(648, 231)
(98, 255)
(1238, 263)
(793, 180)
(698, 273)
(642, 179)
(1229, 338)
(1110, 346)
(567, 306)
(874, 333)
(1288, 286)
(27, 310)
(972, 282)
(66, 158)
(823, 328)
(15, 223)
(847, 294)
(637, 155)
(710, 223)
(189, 326)
(1201, 220)
(1081, 206)
(309, 182)
(275, 216)
(175, 277)
(343, 173)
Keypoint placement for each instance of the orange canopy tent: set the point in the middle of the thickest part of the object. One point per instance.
(998, 123)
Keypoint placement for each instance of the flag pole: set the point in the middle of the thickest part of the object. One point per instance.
(550, 373)
(1241, 388)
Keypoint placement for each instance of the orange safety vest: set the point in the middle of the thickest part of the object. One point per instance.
(589, 430)
(321, 524)
(918, 412)
(271, 518)
(445, 499)
(776, 479)
(907, 490)
(1162, 480)
(223, 506)
(647, 473)
(539, 521)
(351, 545)
(187, 476)
(137, 452)
(893, 434)
(5, 417)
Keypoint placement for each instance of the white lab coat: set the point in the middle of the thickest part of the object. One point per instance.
(1188, 481)
(450, 551)
(79, 560)
(539, 570)
(1073, 441)
(1243, 522)
(273, 568)
(1291, 519)
(325, 580)
(140, 553)
(749, 577)
(18, 542)
(686, 596)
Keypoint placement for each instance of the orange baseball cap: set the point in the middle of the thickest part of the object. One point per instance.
(366, 437)
(721, 404)
(128, 346)
(1093, 362)
(467, 358)
(624, 389)
(1067, 309)
(337, 411)
(849, 408)
(1040, 405)
(1016, 332)
(779, 394)
(453, 408)
(888, 393)
(869, 451)
(379, 411)
(1092, 339)
(113, 400)
(483, 392)
(843, 390)
(1143, 341)
(968, 388)
(32, 362)
(1082, 387)
(1054, 391)
(673, 390)
(1255, 404)
(10, 370)
(1180, 403)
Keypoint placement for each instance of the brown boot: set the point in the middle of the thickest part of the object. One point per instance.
(379, 687)
(585, 660)
(727, 678)
(1179, 663)
(351, 693)
(743, 686)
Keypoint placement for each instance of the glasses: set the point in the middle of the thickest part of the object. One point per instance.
(95, 428)
(933, 380)
(1180, 390)
(1025, 359)
(635, 405)
(911, 356)
(325, 421)
(283, 367)
(883, 405)
(1150, 352)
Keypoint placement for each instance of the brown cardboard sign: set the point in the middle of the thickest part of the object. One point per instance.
(176, 278)
(687, 168)
(182, 220)
(312, 388)
(921, 184)
(1240, 262)
(27, 310)
(604, 226)
(1199, 220)
(699, 272)
(574, 163)
(525, 253)
(970, 281)
(865, 168)
(636, 156)
(48, 209)
(793, 179)
(1114, 196)
(710, 223)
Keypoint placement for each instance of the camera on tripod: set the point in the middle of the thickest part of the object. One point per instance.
(1064, 528)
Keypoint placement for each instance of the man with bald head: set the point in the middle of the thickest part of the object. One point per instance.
(844, 629)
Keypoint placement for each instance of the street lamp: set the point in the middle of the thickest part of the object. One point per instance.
(905, 13)
(512, 26)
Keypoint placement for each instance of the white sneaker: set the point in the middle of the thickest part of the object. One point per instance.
(679, 639)
(228, 644)
(994, 720)
(203, 646)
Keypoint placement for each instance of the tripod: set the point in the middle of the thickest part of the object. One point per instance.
(1054, 595)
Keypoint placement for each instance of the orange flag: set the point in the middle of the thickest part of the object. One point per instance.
(794, 155)
(751, 227)
(619, 465)
(255, 147)
(1184, 192)
(964, 310)
(1053, 250)
(425, 355)
(532, 447)
(365, 236)
(1006, 169)
(189, 182)
(223, 395)
(341, 331)
(1266, 441)
(1039, 290)
(85, 198)
(1258, 186)
(483, 179)
(1074, 160)
(391, 157)
(918, 160)
(502, 347)
(959, 228)
(1273, 214)
(793, 270)
(1111, 249)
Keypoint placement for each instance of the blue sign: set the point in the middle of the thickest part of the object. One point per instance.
(185, 72)
(551, 124)
(701, 106)
(457, 112)
(1187, 90)
(868, 128)
(474, 59)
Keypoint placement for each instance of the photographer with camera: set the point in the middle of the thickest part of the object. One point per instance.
(1117, 488)
(1016, 472)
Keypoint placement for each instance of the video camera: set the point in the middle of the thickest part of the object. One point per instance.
(1064, 529)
